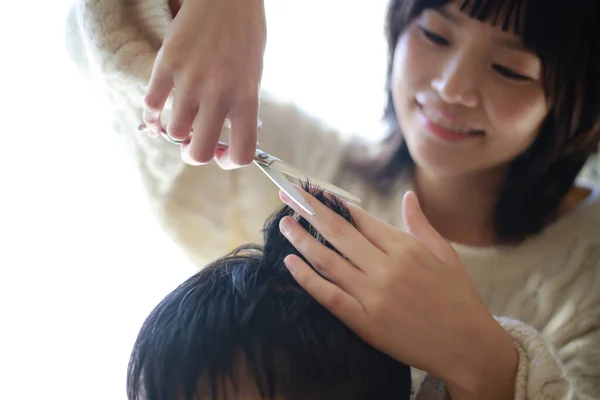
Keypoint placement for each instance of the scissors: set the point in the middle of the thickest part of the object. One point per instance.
(281, 174)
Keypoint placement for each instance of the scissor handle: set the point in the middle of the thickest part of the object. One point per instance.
(259, 156)
(168, 138)
(225, 146)
(226, 125)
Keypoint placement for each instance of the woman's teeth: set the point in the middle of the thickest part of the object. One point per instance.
(438, 119)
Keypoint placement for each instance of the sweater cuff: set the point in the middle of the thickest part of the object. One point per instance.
(539, 374)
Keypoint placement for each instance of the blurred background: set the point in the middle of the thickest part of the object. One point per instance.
(82, 261)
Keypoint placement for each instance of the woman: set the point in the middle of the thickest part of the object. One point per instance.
(493, 110)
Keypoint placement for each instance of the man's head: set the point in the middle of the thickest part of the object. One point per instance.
(242, 328)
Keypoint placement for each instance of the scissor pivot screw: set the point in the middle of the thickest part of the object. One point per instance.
(263, 156)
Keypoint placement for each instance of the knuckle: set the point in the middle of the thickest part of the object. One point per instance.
(248, 100)
(378, 303)
(411, 253)
(217, 88)
(297, 240)
(333, 300)
(402, 246)
(336, 228)
(170, 56)
(399, 241)
(324, 263)
(152, 105)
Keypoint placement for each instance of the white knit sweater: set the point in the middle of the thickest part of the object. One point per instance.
(547, 290)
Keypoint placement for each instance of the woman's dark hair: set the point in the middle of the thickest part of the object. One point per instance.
(565, 34)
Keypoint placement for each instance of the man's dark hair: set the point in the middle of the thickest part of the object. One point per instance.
(244, 318)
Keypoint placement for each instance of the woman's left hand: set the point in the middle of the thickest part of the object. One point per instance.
(406, 294)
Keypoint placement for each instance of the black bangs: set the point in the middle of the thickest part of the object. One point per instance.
(509, 12)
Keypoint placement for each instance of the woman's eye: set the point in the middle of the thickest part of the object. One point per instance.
(510, 74)
(433, 37)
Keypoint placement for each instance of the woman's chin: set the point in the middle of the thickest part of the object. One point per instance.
(439, 161)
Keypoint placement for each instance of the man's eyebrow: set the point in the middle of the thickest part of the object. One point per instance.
(504, 41)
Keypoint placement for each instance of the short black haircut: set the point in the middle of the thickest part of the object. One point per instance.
(246, 309)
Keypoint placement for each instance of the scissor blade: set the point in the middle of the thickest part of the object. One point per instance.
(295, 176)
(284, 184)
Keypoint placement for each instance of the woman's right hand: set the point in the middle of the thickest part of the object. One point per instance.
(212, 56)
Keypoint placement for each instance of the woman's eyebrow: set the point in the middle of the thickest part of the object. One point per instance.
(512, 43)
(448, 15)
(509, 42)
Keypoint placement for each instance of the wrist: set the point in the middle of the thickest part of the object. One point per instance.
(487, 368)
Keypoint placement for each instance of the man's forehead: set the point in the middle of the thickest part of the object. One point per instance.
(243, 388)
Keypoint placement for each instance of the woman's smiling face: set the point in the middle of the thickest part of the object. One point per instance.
(468, 95)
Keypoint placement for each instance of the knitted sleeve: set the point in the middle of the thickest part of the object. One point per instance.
(118, 38)
(571, 372)
(539, 374)
(562, 360)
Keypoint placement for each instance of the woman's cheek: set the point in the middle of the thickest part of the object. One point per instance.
(519, 111)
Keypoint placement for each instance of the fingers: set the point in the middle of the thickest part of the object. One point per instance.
(223, 161)
(183, 114)
(206, 121)
(378, 232)
(330, 296)
(340, 233)
(159, 88)
(419, 226)
(244, 133)
(207, 130)
(327, 262)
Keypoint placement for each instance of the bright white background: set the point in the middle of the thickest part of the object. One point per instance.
(82, 262)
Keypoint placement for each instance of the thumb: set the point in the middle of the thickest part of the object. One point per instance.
(419, 227)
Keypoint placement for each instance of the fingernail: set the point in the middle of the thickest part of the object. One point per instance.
(285, 225)
(186, 158)
(290, 263)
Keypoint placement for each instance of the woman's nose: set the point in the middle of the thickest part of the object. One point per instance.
(457, 83)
